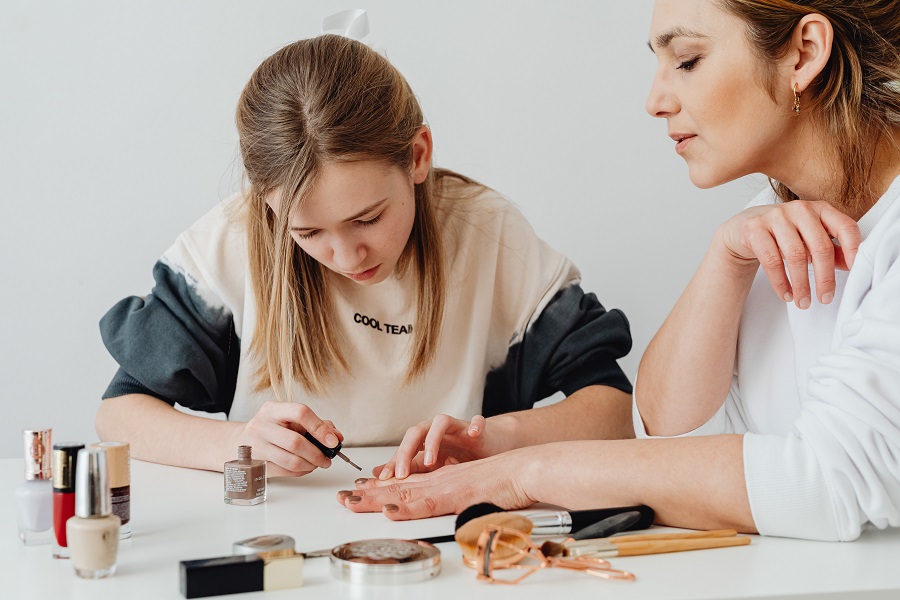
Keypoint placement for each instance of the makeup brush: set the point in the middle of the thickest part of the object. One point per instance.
(555, 522)
(648, 543)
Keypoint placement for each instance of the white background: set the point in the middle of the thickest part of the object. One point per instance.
(117, 132)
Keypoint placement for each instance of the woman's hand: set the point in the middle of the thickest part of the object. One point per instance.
(443, 441)
(449, 490)
(794, 234)
(276, 434)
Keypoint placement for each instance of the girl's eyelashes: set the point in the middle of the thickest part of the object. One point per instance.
(371, 221)
(689, 65)
(310, 234)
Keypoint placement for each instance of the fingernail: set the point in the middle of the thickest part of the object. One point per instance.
(429, 458)
(804, 303)
(361, 480)
(451, 461)
(331, 440)
(827, 298)
(391, 508)
(788, 297)
(473, 429)
(354, 499)
(344, 494)
(401, 473)
(385, 474)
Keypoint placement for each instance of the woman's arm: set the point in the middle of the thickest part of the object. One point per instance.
(695, 482)
(686, 370)
(157, 432)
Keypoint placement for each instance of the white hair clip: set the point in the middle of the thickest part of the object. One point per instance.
(353, 23)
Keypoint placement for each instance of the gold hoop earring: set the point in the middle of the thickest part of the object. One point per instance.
(796, 100)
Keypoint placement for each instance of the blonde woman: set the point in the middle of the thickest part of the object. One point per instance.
(770, 412)
(354, 282)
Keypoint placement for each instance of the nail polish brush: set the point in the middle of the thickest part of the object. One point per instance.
(331, 452)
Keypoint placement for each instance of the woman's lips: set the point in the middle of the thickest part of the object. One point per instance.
(364, 275)
(682, 141)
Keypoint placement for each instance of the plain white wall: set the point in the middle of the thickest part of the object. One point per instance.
(116, 133)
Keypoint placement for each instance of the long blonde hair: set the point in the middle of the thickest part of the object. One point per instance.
(856, 97)
(325, 100)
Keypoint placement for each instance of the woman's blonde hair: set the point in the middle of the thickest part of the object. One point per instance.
(856, 97)
(328, 99)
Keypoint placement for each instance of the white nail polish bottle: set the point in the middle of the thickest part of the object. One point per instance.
(34, 496)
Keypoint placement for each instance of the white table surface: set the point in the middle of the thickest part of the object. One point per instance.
(178, 514)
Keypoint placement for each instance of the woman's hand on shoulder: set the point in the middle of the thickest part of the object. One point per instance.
(276, 434)
(442, 441)
(785, 238)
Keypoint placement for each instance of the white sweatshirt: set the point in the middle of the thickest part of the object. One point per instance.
(817, 394)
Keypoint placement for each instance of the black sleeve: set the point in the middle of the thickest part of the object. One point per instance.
(173, 345)
(574, 343)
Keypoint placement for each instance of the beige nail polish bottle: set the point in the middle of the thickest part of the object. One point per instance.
(93, 533)
(245, 479)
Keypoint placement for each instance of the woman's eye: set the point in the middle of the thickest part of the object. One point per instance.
(305, 236)
(688, 65)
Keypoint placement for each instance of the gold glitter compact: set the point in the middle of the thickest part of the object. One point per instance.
(385, 561)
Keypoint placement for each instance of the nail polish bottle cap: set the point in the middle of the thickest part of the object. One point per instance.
(245, 453)
(37, 453)
(117, 461)
(65, 457)
(92, 495)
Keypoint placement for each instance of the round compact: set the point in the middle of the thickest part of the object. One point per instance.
(385, 561)
(263, 543)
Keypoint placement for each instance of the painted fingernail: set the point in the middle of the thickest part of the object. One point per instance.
(354, 499)
(827, 298)
(451, 461)
(788, 297)
(343, 494)
(429, 458)
(401, 473)
(331, 440)
(385, 474)
(804, 303)
(361, 480)
(391, 508)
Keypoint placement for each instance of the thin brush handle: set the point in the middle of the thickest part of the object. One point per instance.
(663, 546)
(648, 537)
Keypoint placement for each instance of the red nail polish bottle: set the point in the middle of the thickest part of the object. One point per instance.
(65, 455)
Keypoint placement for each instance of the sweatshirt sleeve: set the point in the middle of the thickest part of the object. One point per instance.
(564, 339)
(177, 344)
(840, 466)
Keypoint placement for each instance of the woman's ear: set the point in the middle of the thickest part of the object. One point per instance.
(810, 49)
(421, 153)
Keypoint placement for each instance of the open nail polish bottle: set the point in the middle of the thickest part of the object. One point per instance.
(245, 479)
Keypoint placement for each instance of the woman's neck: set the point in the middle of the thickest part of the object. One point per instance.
(819, 175)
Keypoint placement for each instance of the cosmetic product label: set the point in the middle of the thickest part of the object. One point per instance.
(121, 503)
(236, 481)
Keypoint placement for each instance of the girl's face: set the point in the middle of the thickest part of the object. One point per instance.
(708, 86)
(357, 219)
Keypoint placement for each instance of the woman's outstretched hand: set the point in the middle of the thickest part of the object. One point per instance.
(785, 238)
(443, 441)
(276, 434)
(448, 490)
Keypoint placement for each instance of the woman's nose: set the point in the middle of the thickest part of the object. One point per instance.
(661, 102)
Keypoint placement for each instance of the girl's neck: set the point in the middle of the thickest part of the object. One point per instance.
(816, 175)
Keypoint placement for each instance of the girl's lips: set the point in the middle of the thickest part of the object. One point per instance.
(682, 143)
(369, 274)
